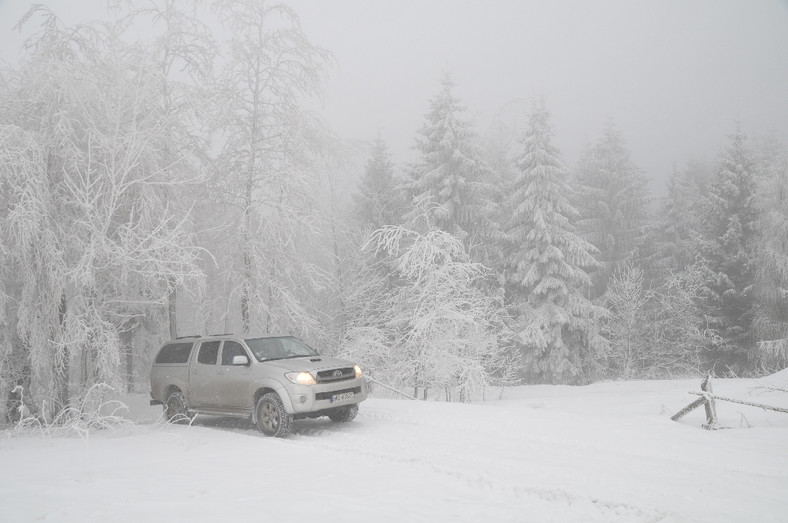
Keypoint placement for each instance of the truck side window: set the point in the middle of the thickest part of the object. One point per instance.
(175, 353)
(209, 351)
(230, 350)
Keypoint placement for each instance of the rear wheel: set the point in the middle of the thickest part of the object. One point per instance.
(272, 418)
(175, 409)
(344, 414)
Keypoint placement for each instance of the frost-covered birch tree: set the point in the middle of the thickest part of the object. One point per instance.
(445, 330)
(183, 48)
(87, 222)
(265, 188)
(547, 264)
(628, 327)
(655, 332)
(681, 336)
(370, 307)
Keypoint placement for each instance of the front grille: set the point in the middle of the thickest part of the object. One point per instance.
(327, 395)
(330, 376)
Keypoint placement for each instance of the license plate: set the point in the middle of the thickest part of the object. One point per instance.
(342, 397)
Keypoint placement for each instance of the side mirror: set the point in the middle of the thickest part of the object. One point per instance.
(240, 359)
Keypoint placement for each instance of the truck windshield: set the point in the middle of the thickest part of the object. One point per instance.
(266, 349)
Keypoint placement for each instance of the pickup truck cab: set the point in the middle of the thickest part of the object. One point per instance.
(270, 379)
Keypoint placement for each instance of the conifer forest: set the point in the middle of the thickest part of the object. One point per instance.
(185, 184)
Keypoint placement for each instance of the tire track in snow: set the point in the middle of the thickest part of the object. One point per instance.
(414, 440)
(396, 449)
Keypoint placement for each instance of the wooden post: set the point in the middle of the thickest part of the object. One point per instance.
(707, 398)
(711, 409)
(707, 401)
(692, 406)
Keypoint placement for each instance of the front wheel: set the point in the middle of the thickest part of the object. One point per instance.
(344, 414)
(175, 409)
(272, 418)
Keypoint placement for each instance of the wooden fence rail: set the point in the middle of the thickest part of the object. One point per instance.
(707, 398)
(741, 402)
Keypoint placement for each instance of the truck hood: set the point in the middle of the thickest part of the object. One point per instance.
(309, 363)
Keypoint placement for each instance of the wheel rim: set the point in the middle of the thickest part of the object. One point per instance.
(269, 416)
(172, 408)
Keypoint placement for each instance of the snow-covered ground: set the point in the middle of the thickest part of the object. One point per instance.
(605, 452)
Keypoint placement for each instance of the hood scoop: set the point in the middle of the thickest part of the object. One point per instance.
(315, 359)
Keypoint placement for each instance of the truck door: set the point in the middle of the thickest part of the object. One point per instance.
(204, 375)
(234, 380)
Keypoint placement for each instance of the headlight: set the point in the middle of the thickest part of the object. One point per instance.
(301, 378)
(358, 370)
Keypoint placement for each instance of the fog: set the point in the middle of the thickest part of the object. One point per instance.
(673, 75)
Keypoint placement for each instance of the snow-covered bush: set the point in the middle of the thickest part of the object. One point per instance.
(97, 410)
(443, 331)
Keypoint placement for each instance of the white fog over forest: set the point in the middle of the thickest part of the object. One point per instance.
(506, 213)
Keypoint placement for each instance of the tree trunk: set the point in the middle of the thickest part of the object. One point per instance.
(245, 316)
(340, 278)
(172, 299)
(247, 260)
(62, 364)
(126, 342)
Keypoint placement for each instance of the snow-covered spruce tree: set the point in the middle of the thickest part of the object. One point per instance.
(499, 144)
(377, 202)
(729, 228)
(343, 239)
(611, 199)
(771, 262)
(668, 245)
(547, 265)
(450, 172)
(264, 183)
(370, 276)
(87, 223)
(445, 331)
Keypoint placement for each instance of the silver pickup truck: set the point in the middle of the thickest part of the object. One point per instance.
(272, 379)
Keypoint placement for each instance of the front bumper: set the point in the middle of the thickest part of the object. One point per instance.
(314, 398)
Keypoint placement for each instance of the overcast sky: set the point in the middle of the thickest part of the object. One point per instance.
(673, 75)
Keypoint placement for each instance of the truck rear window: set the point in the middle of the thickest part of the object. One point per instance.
(174, 353)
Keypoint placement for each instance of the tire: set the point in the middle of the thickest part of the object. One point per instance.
(12, 412)
(344, 414)
(271, 416)
(175, 408)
